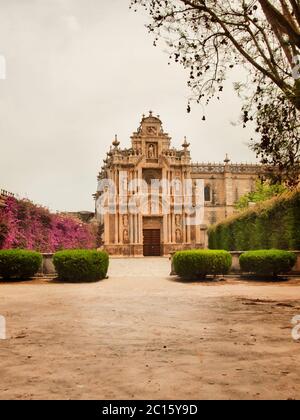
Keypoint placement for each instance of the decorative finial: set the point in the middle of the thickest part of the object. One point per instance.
(110, 153)
(185, 145)
(150, 113)
(227, 160)
(116, 142)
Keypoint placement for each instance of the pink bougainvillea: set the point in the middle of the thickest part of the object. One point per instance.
(28, 226)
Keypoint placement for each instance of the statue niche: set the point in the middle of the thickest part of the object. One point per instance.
(178, 236)
(125, 220)
(125, 236)
(151, 151)
(178, 220)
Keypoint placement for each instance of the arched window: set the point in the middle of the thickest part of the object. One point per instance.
(207, 193)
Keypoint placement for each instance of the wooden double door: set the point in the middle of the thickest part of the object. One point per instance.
(152, 243)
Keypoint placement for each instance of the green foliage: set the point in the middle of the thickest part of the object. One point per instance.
(210, 38)
(81, 265)
(269, 225)
(263, 191)
(19, 264)
(3, 233)
(200, 263)
(268, 262)
(24, 225)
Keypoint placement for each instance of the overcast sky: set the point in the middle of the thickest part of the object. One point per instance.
(78, 72)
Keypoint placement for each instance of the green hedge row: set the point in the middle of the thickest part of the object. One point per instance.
(273, 224)
(19, 264)
(81, 265)
(270, 262)
(197, 264)
(73, 266)
(200, 263)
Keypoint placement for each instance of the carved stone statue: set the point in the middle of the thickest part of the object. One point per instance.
(125, 220)
(151, 152)
(178, 220)
(151, 130)
(125, 236)
(178, 236)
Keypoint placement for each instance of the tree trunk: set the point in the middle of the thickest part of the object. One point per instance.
(279, 21)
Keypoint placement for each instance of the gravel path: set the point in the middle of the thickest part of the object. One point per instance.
(142, 334)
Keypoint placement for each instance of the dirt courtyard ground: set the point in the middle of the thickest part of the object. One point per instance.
(144, 335)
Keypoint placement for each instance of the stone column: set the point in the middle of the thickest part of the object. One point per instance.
(188, 234)
(229, 200)
(165, 228)
(184, 216)
(133, 228)
(136, 229)
(198, 234)
(116, 209)
(173, 228)
(140, 216)
(130, 229)
(106, 228)
(120, 228)
(169, 235)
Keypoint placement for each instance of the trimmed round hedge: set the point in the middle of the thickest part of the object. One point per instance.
(267, 262)
(81, 265)
(200, 263)
(19, 264)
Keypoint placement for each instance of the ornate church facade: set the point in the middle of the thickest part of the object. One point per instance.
(155, 229)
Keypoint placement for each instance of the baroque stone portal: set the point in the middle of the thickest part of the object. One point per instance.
(151, 156)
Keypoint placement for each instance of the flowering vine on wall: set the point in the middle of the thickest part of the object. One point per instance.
(28, 226)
